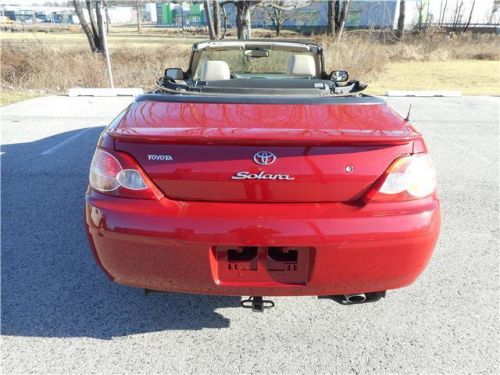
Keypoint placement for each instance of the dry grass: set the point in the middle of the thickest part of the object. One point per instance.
(55, 62)
(438, 46)
(362, 58)
(55, 70)
(366, 55)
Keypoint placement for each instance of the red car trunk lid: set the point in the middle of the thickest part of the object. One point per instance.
(214, 151)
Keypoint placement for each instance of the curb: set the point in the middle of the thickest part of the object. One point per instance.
(424, 93)
(105, 92)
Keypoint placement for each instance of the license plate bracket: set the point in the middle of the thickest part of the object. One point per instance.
(256, 264)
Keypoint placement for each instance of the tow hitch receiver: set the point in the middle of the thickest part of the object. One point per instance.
(257, 304)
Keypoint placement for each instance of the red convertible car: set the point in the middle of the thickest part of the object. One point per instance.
(257, 173)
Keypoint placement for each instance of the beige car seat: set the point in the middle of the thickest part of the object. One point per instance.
(301, 65)
(214, 71)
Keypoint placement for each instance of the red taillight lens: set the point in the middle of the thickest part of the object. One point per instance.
(117, 173)
(408, 178)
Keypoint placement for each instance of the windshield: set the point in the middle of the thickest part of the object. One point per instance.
(256, 63)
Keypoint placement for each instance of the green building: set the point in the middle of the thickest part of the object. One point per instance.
(173, 14)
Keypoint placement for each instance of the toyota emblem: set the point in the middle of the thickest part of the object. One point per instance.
(264, 158)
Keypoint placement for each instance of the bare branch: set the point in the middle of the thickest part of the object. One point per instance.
(280, 11)
(280, 4)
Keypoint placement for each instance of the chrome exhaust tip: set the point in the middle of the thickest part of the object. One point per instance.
(355, 298)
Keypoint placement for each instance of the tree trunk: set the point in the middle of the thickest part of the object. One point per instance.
(336, 12)
(401, 21)
(139, 15)
(458, 15)
(343, 19)
(93, 24)
(217, 23)
(224, 18)
(420, 9)
(470, 15)
(182, 17)
(106, 12)
(85, 26)
(331, 26)
(243, 19)
(100, 27)
(442, 19)
(210, 22)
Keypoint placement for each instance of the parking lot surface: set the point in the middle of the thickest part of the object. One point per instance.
(61, 315)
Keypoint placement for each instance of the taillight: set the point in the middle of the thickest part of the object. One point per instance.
(117, 173)
(408, 178)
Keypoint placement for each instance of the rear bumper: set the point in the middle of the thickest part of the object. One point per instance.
(169, 245)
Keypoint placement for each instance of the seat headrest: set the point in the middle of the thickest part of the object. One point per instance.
(214, 70)
(301, 65)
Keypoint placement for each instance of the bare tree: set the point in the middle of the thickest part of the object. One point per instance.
(280, 11)
(244, 17)
(85, 26)
(428, 15)
(457, 16)
(420, 9)
(210, 21)
(217, 23)
(337, 17)
(470, 15)
(342, 19)
(93, 24)
(94, 32)
(442, 11)
(401, 21)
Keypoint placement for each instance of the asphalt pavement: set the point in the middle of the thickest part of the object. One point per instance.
(61, 315)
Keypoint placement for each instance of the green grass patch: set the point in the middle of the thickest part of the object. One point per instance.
(9, 97)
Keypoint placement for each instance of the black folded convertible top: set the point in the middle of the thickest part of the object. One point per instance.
(360, 99)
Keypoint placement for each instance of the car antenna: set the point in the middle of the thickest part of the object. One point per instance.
(407, 118)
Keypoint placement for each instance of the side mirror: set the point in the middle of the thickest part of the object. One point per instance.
(339, 76)
(174, 74)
